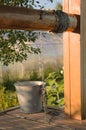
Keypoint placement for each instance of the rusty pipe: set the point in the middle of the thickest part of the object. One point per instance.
(32, 19)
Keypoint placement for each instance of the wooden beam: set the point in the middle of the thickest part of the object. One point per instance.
(32, 19)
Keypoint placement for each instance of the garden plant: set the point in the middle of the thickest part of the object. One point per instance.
(54, 89)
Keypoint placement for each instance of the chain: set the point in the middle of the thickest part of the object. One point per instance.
(44, 95)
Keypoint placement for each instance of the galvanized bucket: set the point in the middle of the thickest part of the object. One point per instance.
(29, 95)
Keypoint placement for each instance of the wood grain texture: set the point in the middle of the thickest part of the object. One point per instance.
(83, 56)
(32, 19)
(72, 70)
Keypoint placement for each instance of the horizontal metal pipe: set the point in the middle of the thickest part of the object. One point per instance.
(32, 19)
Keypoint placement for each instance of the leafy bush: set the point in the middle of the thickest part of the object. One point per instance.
(7, 98)
(35, 76)
(8, 83)
(55, 88)
(48, 70)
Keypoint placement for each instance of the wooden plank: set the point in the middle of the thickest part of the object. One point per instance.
(83, 56)
(17, 120)
(72, 66)
(66, 45)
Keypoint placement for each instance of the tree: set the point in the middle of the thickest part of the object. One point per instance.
(13, 43)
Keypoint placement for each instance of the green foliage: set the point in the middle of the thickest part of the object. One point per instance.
(8, 83)
(59, 6)
(48, 70)
(7, 98)
(55, 89)
(14, 46)
(24, 3)
(34, 76)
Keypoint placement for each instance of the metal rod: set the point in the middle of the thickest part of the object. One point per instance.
(32, 19)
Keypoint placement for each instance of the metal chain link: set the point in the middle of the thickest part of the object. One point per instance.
(44, 95)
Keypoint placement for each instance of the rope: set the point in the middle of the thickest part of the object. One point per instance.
(62, 21)
(44, 99)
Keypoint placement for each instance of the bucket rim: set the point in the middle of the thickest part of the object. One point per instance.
(26, 83)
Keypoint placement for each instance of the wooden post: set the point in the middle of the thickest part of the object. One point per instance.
(83, 56)
(75, 63)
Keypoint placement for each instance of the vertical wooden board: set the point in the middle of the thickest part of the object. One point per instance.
(72, 65)
(66, 64)
(74, 8)
(75, 76)
(83, 56)
(67, 74)
(66, 6)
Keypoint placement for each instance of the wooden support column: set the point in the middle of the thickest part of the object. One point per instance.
(72, 69)
(75, 63)
(83, 56)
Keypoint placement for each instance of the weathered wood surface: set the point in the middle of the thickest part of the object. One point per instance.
(32, 19)
(75, 63)
(16, 120)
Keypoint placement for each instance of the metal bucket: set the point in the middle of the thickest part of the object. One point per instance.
(29, 95)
